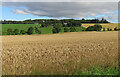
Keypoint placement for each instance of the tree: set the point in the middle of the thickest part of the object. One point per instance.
(115, 29)
(97, 27)
(90, 28)
(57, 27)
(108, 29)
(37, 30)
(22, 32)
(54, 30)
(103, 29)
(72, 29)
(66, 30)
(16, 31)
(30, 30)
(9, 31)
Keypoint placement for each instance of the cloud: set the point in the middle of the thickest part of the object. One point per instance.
(65, 9)
(60, 0)
(19, 12)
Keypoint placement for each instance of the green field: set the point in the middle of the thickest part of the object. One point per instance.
(15, 26)
(44, 30)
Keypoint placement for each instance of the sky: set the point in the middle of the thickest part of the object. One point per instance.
(59, 10)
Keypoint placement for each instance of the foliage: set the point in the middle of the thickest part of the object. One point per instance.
(116, 29)
(9, 31)
(103, 29)
(30, 30)
(66, 29)
(72, 29)
(45, 22)
(56, 30)
(108, 29)
(57, 27)
(90, 28)
(96, 27)
(16, 31)
(37, 30)
(22, 32)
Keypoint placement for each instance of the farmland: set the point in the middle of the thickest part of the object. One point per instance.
(15, 26)
(104, 25)
(48, 30)
(64, 53)
(44, 30)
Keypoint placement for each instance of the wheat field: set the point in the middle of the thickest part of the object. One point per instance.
(58, 53)
(107, 25)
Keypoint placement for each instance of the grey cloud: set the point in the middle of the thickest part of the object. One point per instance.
(60, 0)
(65, 9)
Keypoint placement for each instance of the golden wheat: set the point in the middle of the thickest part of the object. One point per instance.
(58, 53)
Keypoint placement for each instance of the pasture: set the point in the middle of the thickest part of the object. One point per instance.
(44, 30)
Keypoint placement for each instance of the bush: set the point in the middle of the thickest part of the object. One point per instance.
(16, 31)
(103, 29)
(108, 29)
(94, 28)
(22, 32)
(9, 31)
(97, 27)
(30, 30)
(54, 30)
(116, 29)
(37, 30)
(90, 28)
(72, 29)
(66, 29)
(57, 27)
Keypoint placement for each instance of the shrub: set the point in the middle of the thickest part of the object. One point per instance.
(66, 29)
(108, 29)
(97, 27)
(90, 28)
(94, 28)
(37, 30)
(57, 27)
(54, 30)
(72, 29)
(22, 32)
(9, 31)
(16, 31)
(30, 30)
(115, 29)
(103, 29)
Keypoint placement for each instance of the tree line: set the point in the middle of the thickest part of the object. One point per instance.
(48, 22)
(29, 31)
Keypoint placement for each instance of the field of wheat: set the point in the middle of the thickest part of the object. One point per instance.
(58, 53)
(107, 25)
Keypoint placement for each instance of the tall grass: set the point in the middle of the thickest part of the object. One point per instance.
(96, 70)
